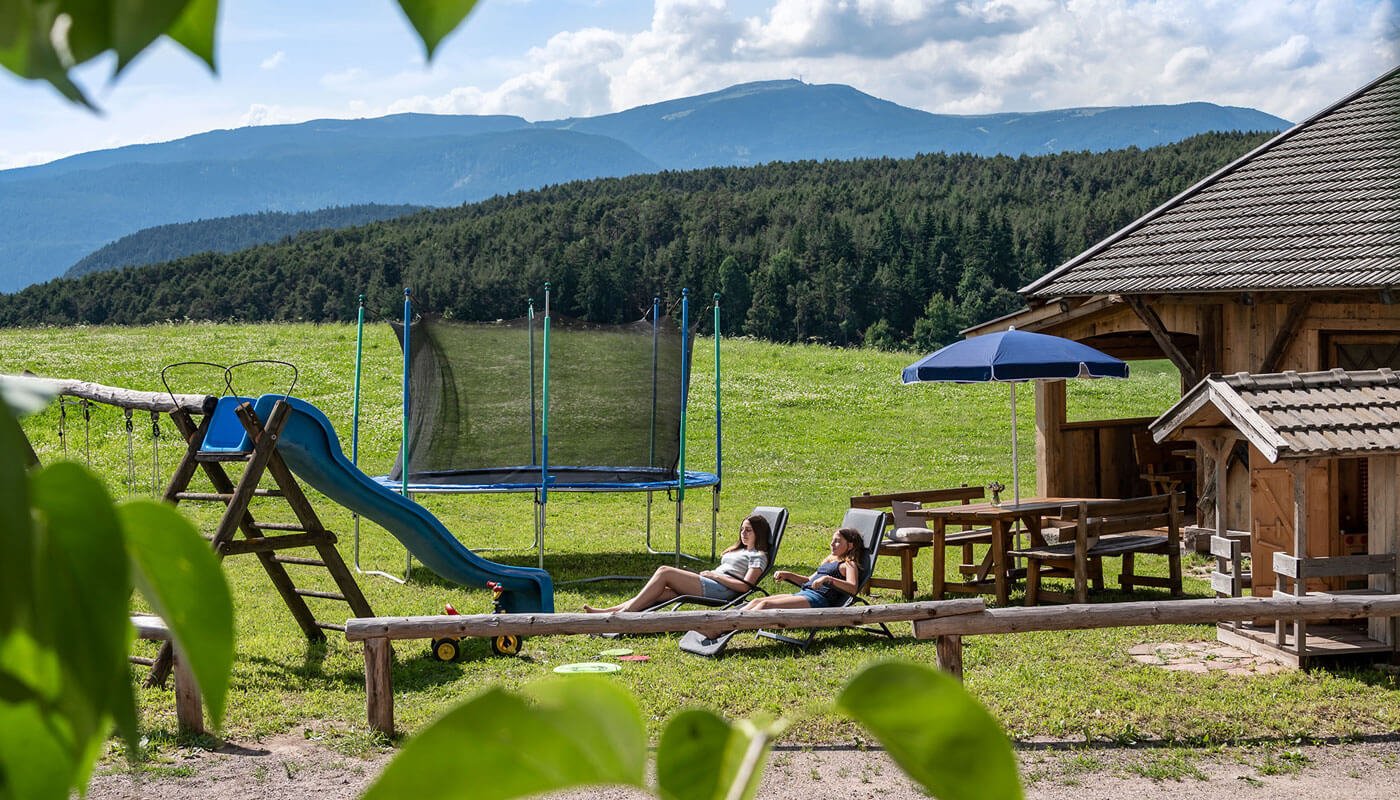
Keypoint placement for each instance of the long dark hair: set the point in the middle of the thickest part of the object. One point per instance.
(762, 534)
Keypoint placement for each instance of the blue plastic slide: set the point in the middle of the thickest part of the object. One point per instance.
(309, 446)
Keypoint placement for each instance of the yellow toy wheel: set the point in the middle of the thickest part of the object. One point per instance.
(507, 645)
(445, 649)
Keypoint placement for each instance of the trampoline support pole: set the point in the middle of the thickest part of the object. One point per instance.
(355, 435)
(403, 441)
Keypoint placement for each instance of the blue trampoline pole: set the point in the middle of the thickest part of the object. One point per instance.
(685, 390)
(651, 458)
(719, 446)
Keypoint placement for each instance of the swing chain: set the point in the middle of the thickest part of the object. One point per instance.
(155, 450)
(130, 454)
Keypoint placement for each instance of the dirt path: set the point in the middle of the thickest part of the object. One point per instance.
(290, 767)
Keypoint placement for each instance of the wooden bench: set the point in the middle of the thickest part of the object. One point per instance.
(1105, 529)
(906, 550)
(189, 711)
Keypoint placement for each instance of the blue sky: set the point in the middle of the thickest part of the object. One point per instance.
(295, 60)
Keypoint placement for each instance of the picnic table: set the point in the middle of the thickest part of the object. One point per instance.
(1002, 519)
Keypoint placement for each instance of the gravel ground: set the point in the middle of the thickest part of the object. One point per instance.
(290, 767)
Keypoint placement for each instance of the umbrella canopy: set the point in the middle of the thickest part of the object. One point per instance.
(1014, 356)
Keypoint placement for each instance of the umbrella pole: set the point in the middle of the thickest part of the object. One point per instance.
(1015, 464)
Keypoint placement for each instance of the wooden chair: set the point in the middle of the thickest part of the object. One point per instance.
(1162, 467)
(909, 536)
(1104, 529)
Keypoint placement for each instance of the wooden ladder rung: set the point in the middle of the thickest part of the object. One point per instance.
(208, 457)
(322, 595)
(271, 543)
(142, 660)
(279, 526)
(305, 562)
(330, 626)
(223, 497)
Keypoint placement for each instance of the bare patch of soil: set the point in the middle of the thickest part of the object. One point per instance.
(291, 767)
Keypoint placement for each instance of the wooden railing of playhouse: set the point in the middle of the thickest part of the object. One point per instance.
(946, 622)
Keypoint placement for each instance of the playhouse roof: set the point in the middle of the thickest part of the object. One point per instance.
(1295, 415)
(1317, 207)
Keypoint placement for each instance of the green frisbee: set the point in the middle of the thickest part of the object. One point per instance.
(587, 666)
(616, 651)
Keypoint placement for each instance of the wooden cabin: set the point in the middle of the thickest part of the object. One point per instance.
(1324, 477)
(1286, 260)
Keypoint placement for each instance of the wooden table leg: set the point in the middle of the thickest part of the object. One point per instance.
(999, 560)
(906, 573)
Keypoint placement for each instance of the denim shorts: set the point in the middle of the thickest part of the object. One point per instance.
(814, 598)
(714, 590)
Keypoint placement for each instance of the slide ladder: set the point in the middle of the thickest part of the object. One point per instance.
(234, 434)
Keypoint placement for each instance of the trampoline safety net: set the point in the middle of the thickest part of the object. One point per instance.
(476, 404)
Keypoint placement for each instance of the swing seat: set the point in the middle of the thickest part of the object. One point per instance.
(226, 433)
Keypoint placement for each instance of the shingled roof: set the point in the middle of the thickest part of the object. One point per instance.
(1296, 415)
(1317, 207)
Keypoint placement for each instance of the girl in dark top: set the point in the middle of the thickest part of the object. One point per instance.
(836, 578)
(740, 566)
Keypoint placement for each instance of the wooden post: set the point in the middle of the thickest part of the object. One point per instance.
(1050, 456)
(379, 685)
(1299, 468)
(189, 712)
(1383, 534)
(948, 651)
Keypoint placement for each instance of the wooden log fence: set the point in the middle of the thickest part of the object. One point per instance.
(946, 622)
(115, 395)
(1087, 616)
(377, 632)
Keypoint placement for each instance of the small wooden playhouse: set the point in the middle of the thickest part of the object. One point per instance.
(1324, 476)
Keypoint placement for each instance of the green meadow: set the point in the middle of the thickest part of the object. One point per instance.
(804, 426)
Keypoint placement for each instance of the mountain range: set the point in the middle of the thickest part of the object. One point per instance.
(54, 214)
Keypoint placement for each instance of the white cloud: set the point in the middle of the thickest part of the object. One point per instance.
(260, 114)
(273, 61)
(1288, 57)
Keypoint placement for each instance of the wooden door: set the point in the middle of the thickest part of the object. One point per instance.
(1271, 512)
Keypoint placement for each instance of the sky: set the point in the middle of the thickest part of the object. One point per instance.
(294, 60)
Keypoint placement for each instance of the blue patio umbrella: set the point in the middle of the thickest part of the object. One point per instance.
(1013, 356)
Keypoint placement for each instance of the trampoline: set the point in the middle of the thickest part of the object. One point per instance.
(551, 404)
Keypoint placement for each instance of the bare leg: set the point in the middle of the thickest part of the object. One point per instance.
(664, 584)
(778, 601)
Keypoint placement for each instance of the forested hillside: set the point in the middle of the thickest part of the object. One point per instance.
(877, 251)
(225, 235)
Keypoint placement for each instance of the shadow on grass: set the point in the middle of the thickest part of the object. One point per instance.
(566, 567)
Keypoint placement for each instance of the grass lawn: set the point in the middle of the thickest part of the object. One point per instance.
(805, 427)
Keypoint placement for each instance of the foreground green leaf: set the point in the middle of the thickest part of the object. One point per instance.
(195, 29)
(434, 19)
(181, 578)
(16, 528)
(27, 49)
(935, 731)
(138, 23)
(702, 757)
(583, 731)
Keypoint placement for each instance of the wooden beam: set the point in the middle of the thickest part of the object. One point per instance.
(379, 685)
(1164, 339)
(1086, 616)
(1284, 336)
(948, 650)
(116, 395)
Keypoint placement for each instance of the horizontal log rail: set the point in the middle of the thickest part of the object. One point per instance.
(709, 622)
(1084, 616)
(117, 396)
(376, 632)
